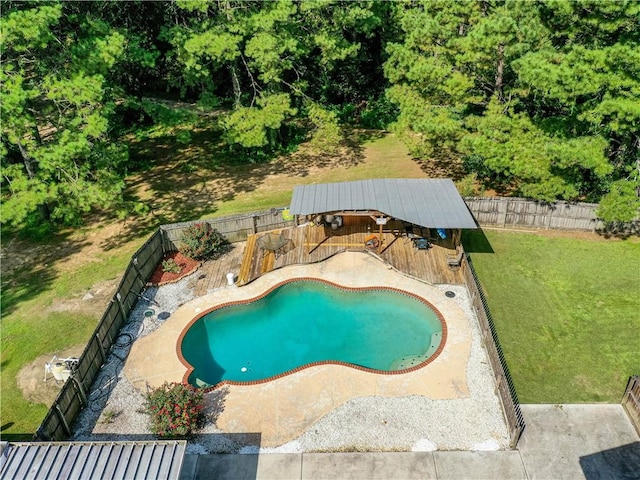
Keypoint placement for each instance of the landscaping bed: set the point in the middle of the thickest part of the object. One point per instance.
(187, 266)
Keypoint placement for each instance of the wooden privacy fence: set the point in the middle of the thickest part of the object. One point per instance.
(235, 228)
(504, 384)
(75, 393)
(523, 213)
(631, 401)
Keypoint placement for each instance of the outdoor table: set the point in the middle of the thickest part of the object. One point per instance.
(272, 241)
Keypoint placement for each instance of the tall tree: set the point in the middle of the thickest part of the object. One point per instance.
(536, 97)
(270, 57)
(58, 158)
(586, 81)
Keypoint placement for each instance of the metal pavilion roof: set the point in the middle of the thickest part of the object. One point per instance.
(429, 202)
(87, 460)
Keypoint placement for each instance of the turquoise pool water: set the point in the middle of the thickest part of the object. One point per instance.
(302, 322)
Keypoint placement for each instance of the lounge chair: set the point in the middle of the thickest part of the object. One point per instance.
(455, 260)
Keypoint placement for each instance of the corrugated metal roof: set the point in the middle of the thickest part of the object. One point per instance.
(429, 202)
(89, 460)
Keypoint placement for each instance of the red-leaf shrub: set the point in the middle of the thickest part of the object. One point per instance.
(176, 410)
(201, 242)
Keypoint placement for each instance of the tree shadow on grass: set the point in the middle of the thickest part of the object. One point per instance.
(441, 167)
(29, 268)
(189, 181)
(15, 437)
(23, 287)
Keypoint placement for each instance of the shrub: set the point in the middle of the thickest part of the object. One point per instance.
(467, 185)
(200, 242)
(170, 266)
(176, 410)
(379, 114)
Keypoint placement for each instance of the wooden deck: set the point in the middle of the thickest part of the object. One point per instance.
(213, 273)
(310, 244)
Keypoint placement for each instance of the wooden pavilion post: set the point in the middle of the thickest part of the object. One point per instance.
(380, 220)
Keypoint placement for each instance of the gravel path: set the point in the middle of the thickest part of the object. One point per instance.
(411, 423)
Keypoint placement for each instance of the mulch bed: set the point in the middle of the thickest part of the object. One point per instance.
(187, 265)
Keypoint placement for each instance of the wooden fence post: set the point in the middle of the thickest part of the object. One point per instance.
(121, 306)
(498, 385)
(502, 219)
(103, 354)
(134, 263)
(631, 401)
(164, 252)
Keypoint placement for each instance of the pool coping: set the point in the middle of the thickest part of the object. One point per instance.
(431, 358)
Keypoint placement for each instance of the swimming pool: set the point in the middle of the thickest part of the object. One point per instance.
(305, 322)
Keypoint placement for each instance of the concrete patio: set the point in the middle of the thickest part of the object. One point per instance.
(559, 442)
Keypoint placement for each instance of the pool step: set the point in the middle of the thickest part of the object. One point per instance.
(407, 362)
(413, 360)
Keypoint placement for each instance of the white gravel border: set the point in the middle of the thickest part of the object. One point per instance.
(411, 423)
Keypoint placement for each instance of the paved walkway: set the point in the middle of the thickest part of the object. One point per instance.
(560, 442)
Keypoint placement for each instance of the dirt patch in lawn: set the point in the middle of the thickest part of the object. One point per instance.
(93, 302)
(63, 252)
(31, 378)
(581, 235)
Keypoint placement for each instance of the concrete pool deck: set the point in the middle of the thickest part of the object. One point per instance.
(282, 409)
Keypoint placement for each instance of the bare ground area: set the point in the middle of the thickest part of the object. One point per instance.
(65, 251)
(31, 378)
(577, 234)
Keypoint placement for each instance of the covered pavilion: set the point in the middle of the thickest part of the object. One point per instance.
(415, 225)
(416, 203)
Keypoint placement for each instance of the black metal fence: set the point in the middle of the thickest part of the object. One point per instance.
(504, 383)
(73, 396)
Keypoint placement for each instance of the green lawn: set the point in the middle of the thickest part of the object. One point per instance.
(567, 312)
(30, 329)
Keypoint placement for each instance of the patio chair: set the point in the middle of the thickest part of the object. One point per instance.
(455, 260)
(421, 243)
